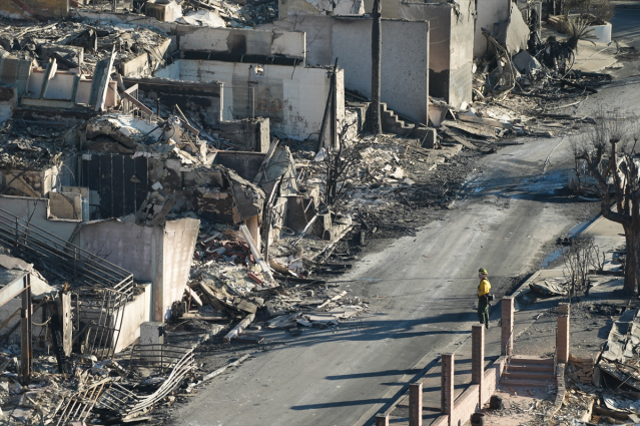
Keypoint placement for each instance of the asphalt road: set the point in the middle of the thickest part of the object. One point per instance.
(422, 292)
(626, 25)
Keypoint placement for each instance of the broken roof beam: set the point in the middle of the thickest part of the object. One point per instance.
(104, 82)
(125, 94)
(186, 123)
(256, 254)
(49, 73)
(239, 328)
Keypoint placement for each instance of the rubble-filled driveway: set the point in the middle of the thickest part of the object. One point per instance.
(422, 300)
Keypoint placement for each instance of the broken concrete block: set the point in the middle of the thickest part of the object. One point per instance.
(21, 414)
(125, 129)
(525, 63)
(163, 10)
(430, 139)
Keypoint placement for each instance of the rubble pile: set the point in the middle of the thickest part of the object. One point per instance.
(542, 69)
(31, 147)
(378, 188)
(576, 408)
(78, 44)
(212, 13)
(228, 13)
(609, 383)
(228, 283)
(580, 370)
(96, 391)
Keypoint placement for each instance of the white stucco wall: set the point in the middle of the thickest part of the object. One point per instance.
(405, 62)
(35, 210)
(405, 56)
(293, 98)
(159, 254)
(451, 41)
(135, 313)
(489, 12)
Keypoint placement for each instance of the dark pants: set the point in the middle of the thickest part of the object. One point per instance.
(483, 311)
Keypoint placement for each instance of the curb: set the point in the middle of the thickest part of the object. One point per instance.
(599, 218)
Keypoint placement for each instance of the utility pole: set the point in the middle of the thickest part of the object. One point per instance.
(376, 47)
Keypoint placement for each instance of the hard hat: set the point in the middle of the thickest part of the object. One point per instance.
(483, 271)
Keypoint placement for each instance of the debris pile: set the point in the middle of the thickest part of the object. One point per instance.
(32, 147)
(220, 13)
(78, 44)
(95, 391)
(580, 370)
(609, 385)
(227, 282)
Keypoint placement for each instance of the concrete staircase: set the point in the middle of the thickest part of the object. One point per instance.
(529, 371)
(391, 123)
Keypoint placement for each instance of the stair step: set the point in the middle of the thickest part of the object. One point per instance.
(528, 375)
(521, 360)
(543, 368)
(527, 382)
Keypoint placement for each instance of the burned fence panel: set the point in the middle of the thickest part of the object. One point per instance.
(119, 183)
(131, 182)
(106, 190)
(108, 313)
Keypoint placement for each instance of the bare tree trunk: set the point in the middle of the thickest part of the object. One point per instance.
(376, 44)
(632, 266)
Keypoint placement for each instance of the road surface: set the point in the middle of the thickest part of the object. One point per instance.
(625, 26)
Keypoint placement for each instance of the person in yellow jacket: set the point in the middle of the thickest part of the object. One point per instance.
(483, 297)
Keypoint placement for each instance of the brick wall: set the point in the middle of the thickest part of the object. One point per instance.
(563, 333)
(447, 384)
(477, 358)
(492, 378)
(441, 421)
(507, 326)
(466, 404)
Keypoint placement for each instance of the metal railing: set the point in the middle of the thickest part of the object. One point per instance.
(60, 257)
(156, 356)
(181, 368)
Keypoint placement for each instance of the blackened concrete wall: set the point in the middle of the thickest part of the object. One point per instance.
(490, 12)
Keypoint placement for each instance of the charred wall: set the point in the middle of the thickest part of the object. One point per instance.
(118, 183)
(201, 98)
